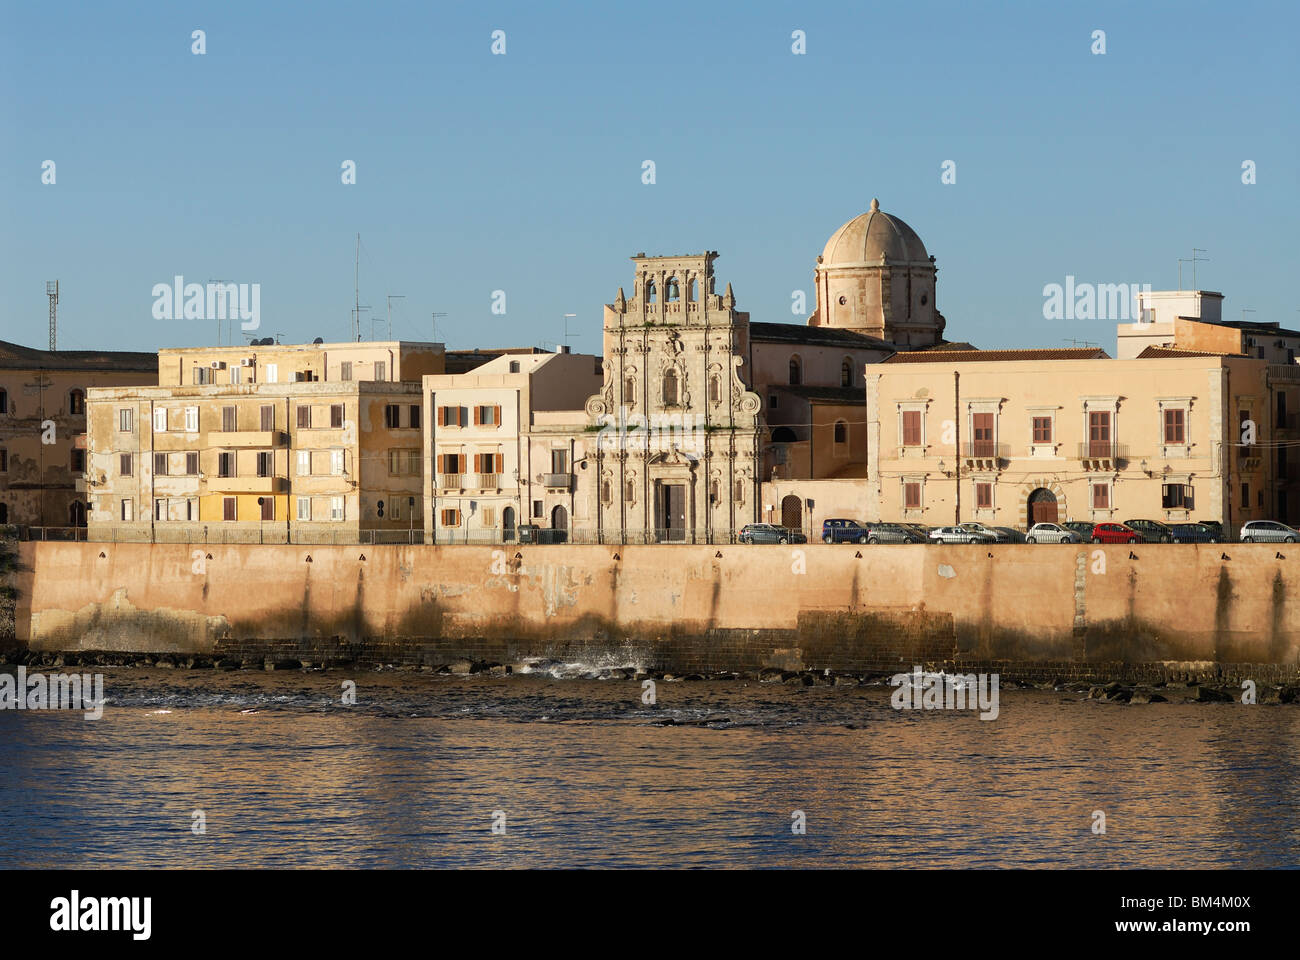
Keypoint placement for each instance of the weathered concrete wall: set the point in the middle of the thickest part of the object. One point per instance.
(689, 608)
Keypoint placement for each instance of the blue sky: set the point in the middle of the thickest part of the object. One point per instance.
(522, 172)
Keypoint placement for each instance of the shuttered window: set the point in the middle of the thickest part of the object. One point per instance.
(911, 428)
(911, 496)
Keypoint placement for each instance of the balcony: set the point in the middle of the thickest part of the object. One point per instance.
(451, 481)
(1249, 459)
(557, 481)
(249, 438)
(983, 455)
(487, 481)
(247, 484)
(1101, 454)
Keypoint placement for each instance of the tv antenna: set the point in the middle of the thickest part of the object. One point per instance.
(567, 317)
(1193, 260)
(391, 298)
(1078, 343)
(52, 291)
(435, 324)
(220, 305)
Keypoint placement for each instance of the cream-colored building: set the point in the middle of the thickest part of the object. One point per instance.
(327, 451)
(504, 444)
(43, 426)
(1015, 437)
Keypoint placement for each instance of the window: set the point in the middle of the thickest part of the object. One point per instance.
(125, 421)
(1175, 426)
(514, 366)
(336, 508)
(265, 463)
(451, 463)
(607, 491)
(160, 509)
(414, 416)
(796, 372)
(489, 463)
(739, 493)
(77, 403)
(650, 291)
(487, 516)
(226, 464)
(984, 495)
(77, 464)
(629, 390)
(336, 415)
(1177, 496)
(268, 507)
(1042, 429)
(236, 375)
(846, 373)
(1245, 496)
(267, 418)
(229, 419)
(336, 462)
(381, 370)
(125, 465)
(392, 416)
(201, 376)
(911, 428)
(192, 463)
(538, 508)
(773, 401)
(911, 496)
(304, 508)
(4, 460)
(4, 401)
(982, 435)
(127, 511)
(345, 370)
(670, 387)
(715, 389)
(1101, 496)
(395, 509)
(227, 508)
(160, 420)
(841, 432)
(1099, 434)
(715, 489)
(671, 291)
(559, 461)
(450, 517)
(304, 417)
(191, 419)
(629, 491)
(272, 373)
(160, 464)
(488, 416)
(304, 463)
(394, 462)
(453, 416)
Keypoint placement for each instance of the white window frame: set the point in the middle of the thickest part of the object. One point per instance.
(272, 373)
(1043, 449)
(191, 419)
(304, 463)
(336, 463)
(160, 420)
(337, 508)
(903, 481)
(920, 406)
(125, 420)
(304, 502)
(1172, 451)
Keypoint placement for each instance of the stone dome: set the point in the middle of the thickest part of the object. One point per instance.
(866, 238)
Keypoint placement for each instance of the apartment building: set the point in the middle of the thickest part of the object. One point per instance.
(1017, 437)
(42, 428)
(264, 361)
(505, 446)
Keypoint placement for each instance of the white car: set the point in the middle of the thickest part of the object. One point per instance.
(961, 535)
(1268, 531)
(1051, 533)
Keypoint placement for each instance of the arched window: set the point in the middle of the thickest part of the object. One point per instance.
(796, 372)
(713, 491)
(694, 291)
(606, 492)
(629, 491)
(650, 291)
(841, 432)
(846, 373)
(670, 387)
(629, 390)
(76, 403)
(715, 389)
(672, 293)
(783, 435)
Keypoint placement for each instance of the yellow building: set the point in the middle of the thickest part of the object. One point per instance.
(1016, 437)
(317, 458)
(42, 427)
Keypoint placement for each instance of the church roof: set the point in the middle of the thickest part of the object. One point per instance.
(815, 394)
(814, 336)
(872, 235)
(15, 356)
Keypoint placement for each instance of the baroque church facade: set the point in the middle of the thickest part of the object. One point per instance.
(696, 400)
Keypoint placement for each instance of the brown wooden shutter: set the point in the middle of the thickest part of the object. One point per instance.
(496, 416)
(911, 428)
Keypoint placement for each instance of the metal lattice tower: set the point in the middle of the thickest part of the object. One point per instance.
(52, 291)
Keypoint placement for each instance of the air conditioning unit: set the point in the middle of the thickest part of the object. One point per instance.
(246, 362)
(218, 364)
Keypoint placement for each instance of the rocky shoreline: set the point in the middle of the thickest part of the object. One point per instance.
(1100, 688)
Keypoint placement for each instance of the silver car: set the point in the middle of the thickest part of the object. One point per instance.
(999, 536)
(1268, 531)
(1051, 533)
(961, 535)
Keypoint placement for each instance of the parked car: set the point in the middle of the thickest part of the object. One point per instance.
(1082, 527)
(1010, 534)
(1114, 533)
(1195, 533)
(1217, 527)
(1268, 531)
(769, 533)
(843, 531)
(961, 534)
(1053, 533)
(990, 531)
(1152, 531)
(894, 533)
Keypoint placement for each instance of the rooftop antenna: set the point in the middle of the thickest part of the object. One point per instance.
(52, 291)
(435, 325)
(1246, 310)
(1078, 343)
(567, 317)
(391, 298)
(1193, 260)
(221, 301)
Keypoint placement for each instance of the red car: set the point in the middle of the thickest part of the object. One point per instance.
(1115, 533)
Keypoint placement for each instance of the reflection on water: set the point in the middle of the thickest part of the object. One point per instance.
(588, 776)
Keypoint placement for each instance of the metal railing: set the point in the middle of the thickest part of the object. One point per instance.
(560, 480)
(1101, 450)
